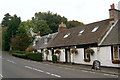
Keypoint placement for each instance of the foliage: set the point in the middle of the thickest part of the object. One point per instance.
(116, 61)
(30, 49)
(6, 19)
(74, 50)
(47, 51)
(57, 51)
(54, 58)
(35, 56)
(53, 20)
(13, 26)
(28, 55)
(87, 60)
(20, 55)
(20, 43)
(89, 50)
(42, 26)
(10, 32)
(26, 26)
(5, 39)
(74, 23)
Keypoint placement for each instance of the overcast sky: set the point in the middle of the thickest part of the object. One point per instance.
(85, 11)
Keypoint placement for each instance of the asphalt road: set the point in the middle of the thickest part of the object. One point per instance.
(13, 67)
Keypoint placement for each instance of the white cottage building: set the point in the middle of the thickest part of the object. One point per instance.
(95, 41)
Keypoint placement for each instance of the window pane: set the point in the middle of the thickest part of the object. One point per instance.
(95, 29)
(115, 52)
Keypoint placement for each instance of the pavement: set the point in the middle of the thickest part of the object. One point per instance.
(106, 70)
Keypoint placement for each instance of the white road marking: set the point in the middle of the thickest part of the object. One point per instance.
(11, 61)
(42, 71)
(47, 73)
(28, 67)
(55, 75)
(1, 75)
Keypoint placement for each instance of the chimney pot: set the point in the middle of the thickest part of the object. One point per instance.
(112, 6)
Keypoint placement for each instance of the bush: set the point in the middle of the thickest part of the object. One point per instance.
(116, 61)
(28, 55)
(20, 55)
(89, 50)
(35, 56)
(87, 60)
(30, 49)
(54, 58)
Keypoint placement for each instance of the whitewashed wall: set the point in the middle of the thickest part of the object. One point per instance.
(62, 55)
(44, 55)
(105, 57)
(50, 56)
(103, 54)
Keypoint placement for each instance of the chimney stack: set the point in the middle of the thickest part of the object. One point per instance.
(114, 13)
(62, 27)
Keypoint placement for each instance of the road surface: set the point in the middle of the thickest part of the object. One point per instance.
(13, 67)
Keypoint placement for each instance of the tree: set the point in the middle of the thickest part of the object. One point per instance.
(74, 23)
(5, 42)
(52, 20)
(6, 20)
(13, 26)
(26, 26)
(42, 26)
(20, 43)
(10, 31)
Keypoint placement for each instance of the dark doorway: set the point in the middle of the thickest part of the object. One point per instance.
(67, 56)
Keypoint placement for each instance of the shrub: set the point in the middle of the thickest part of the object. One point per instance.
(57, 51)
(74, 50)
(46, 51)
(28, 55)
(20, 55)
(89, 50)
(35, 56)
(30, 49)
(54, 58)
(116, 61)
(87, 60)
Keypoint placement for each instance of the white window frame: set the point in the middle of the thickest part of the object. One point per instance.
(65, 36)
(95, 29)
(81, 32)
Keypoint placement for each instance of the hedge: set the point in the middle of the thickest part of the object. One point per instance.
(28, 55)
(19, 55)
(54, 58)
(35, 56)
